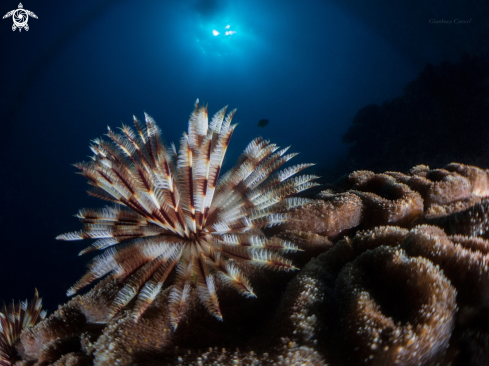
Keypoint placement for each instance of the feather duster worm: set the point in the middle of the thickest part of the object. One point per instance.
(13, 320)
(175, 216)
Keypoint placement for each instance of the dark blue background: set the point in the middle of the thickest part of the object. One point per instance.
(307, 66)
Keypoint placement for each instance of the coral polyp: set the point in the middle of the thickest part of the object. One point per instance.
(178, 219)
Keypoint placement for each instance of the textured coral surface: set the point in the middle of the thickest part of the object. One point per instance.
(394, 271)
(453, 198)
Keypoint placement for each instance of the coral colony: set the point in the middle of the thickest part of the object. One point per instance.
(401, 273)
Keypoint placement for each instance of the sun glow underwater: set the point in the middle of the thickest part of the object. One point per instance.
(227, 32)
(221, 28)
(219, 38)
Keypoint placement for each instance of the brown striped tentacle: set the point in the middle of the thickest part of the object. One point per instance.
(173, 211)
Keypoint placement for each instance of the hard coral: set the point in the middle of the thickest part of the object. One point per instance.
(376, 295)
(395, 309)
(437, 186)
(384, 297)
(451, 198)
(329, 217)
(386, 201)
(455, 255)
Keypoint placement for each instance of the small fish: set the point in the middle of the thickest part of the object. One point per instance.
(263, 122)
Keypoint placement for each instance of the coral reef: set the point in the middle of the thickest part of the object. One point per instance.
(384, 296)
(452, 198)
(390, 296)
(439, 118)
(395, 270)
(411, 324)
(330, 216)
(173, 215)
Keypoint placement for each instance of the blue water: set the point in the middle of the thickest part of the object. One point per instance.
(307, 67)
